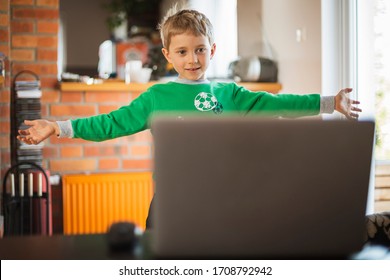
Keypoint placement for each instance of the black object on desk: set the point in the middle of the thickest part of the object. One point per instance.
(121, 237)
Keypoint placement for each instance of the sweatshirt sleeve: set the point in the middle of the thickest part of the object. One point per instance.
(286, 105)
(124, 121)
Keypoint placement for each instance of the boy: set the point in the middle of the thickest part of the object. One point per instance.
(187, 37)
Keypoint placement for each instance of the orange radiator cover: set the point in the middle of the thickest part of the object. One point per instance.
(91, 203)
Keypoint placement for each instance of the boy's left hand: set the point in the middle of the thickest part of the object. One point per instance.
(344, 104)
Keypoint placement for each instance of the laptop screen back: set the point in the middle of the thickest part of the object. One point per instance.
(232, 187)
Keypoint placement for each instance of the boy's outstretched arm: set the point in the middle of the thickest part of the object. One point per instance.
(38, 131)
(345, 105)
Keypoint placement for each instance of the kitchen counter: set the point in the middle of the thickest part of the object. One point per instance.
(137, 87)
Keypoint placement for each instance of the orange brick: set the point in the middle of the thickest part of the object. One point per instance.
(100, 150)
(105, 149)
(47, 41)
(109, 164)
(4, 20)
(51, 3)
(107, 143)
(49, 82)
(123, 150)
(140, 151)
(50, 152)
(4, 49)
(47, 27)
(5, 96)
(4, 35)
(134, 95)
(105, 109)
(70, 97)
(28, 13)
(71, 151)
(73, 110)
(7, 82)
(145, 164)
(4, 5)
(76, 166)
(22, 55)
(44, 111)
(50, 96)
(143, 136)
(65, 141)
(5, 157)
(5, 127)
(4, 111)
(24, 41)
(39, 69)
(4, 141)
(22, 2)
(48, 55)
(32, 41)
(22, 26)
(122, 98)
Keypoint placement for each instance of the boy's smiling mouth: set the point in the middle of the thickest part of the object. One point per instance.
(193, 69)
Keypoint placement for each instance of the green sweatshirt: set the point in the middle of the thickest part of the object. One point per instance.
(200, 98)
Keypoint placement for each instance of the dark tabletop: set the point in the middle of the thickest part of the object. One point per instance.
(60, 247)
(97, 247)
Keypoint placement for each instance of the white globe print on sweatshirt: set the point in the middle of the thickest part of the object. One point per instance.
(205, 101)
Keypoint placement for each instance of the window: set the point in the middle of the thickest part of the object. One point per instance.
(356, 53)
(223, 16)
(382, 79)
(347, 57)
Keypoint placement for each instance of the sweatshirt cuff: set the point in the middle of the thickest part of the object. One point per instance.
(327, 105)
(66, 129)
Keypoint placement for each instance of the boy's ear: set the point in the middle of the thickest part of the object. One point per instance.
(166, 54)
(213, 48)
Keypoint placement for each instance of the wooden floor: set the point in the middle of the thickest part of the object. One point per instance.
(382, 187)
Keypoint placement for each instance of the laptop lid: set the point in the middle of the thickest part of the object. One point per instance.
(236, 187)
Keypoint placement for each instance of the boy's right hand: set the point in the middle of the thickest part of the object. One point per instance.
(38, 131)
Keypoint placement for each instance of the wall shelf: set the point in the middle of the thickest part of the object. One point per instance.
(137, 87)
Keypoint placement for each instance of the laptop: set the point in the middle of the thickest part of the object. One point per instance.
(265, 188)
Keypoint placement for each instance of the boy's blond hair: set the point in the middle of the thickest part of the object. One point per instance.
(180, 20)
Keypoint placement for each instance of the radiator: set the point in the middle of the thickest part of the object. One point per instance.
(91, 203)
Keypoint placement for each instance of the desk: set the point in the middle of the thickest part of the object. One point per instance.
(60, 247)
(95, 247)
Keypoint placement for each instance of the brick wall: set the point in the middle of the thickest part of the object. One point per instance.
(67, 156)
(5, 89)
(29, 39)
(28, 36)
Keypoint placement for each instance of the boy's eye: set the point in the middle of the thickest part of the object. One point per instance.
(201, 50)
(181, 52)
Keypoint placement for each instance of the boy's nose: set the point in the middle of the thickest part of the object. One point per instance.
(193, 58)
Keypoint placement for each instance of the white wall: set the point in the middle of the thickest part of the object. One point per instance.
(299, 63)
(249, 28)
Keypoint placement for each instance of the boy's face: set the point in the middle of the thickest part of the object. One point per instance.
(190, 55)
